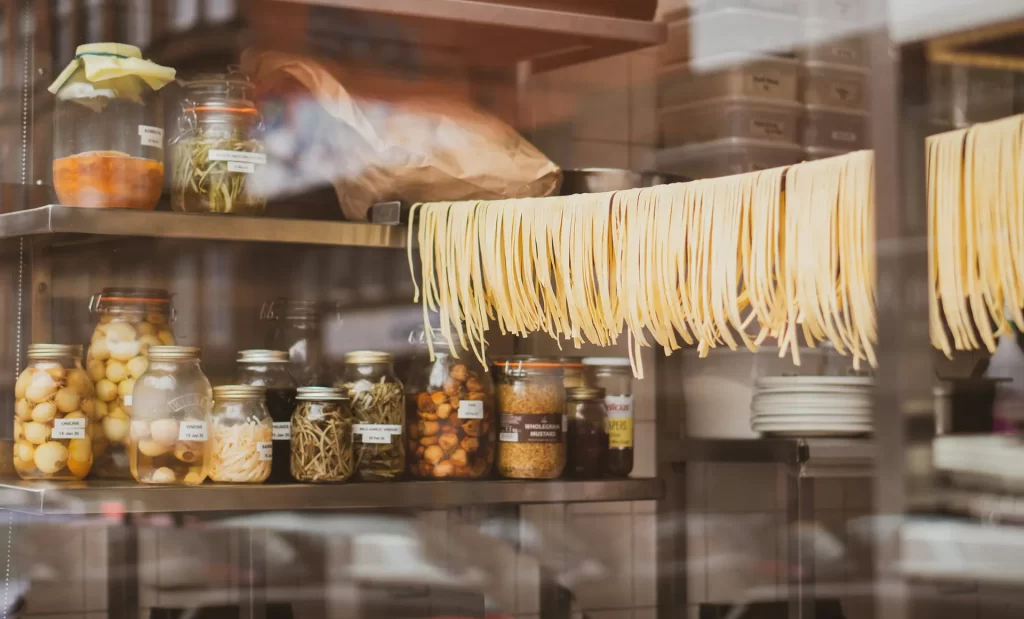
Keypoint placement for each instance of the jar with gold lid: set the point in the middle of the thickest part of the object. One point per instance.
(241, 435)
(377, 399)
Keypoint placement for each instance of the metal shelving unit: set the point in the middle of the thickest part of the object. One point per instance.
(810, 457)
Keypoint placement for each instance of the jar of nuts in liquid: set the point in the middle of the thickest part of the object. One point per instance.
(531, 403)
(451, 419)
(130, 320)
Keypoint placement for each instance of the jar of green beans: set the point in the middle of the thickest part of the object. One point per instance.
(378, 410)
(217, 154)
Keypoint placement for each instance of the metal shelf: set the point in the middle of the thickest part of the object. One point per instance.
(813, 457)
(67, 223)
(105, 497)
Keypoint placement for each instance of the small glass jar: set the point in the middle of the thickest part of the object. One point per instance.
(241, 448)
(297, 328)
(322, 448)
(269, 369)
(451, 420)
(218, 152)
(130, 321)
(531, 402)
(614, 375)
(588, 434)
(378, 411)
(170, 427)
(53, 408)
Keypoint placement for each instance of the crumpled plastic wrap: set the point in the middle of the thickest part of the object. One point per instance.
(403, 146)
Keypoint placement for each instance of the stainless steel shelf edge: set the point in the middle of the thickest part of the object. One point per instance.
(104, 497)
(811, 457)
(75, 221)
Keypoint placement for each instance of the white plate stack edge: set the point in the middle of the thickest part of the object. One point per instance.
(812, 406)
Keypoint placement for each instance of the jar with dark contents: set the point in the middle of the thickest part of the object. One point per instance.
(451, 419)
(613, 374)
(531, 401)
(588, 435)
(321, 442)
(269, 369)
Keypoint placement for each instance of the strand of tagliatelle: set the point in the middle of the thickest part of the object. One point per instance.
(786, 255)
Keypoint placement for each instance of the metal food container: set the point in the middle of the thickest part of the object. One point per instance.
(730, 117)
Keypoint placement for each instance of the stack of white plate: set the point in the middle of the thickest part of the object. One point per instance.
(812, 406)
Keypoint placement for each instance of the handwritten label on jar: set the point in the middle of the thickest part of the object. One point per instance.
(282, 431)
(844, 136)
(620, 421)
(151, 136)
(266, 450)
(376, 433)
(235, 156)
(192, 431)
(238, 166)
(127, 400)
(766, 82)
(763, 127)
(548, 428)
(69, 428)
(471, 409)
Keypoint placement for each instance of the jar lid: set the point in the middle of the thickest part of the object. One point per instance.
(612, 362)
(519, 365)
(368, 356)
(320, 393)
(292, 309)
(173, 353)
(584, 393)
(236, 393)
(54, 351)
(262, 355)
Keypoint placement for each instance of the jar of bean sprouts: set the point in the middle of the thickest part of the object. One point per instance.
(241, 435)
(321, 436)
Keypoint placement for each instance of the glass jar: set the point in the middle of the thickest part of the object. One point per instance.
(297, 327)
(217, 153)
(131, 320)
(531, 402)
(451, 420)
(614, 375)
(241, 448)
(588, 434)
(378, 412)
(108, 145)
(322, 436)
(269, 369)
(572, 372)
(53, 408)
(170, 425)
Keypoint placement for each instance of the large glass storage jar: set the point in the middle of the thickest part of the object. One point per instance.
(53, 408)
(108, 145)
(322, 448)
(614, 375)
(451, 419)
(378, 411)
(217, 154)
(297, 328)
(241, 450)
(170, 427)
(269, 369)
(588, 433)
(130, 321)
(531, 402)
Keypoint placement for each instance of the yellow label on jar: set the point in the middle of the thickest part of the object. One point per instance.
(620, 421)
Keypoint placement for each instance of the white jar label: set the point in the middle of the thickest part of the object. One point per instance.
(471, 409)
(192, 431)
(844, 136)
(266, 450)
(282, 431)
(376, 433)
(244, 168)
(766, 82)
(508, 437)
(237, 157)
(619, 406)
(69, 428)
(127, 400)
(151, 136)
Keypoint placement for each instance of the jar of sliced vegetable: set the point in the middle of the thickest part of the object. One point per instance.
(378, 410)
(451, 421)
(217, 152)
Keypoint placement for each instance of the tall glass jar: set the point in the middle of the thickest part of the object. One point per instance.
(108, 148)
(241, 449)
(451, 420)
(531, 401)
(218, 153)
(614, 375)
(53, 408)
(170, 427)
(378, 410)
(130, 321)
(322, 448)
(297, 328)
(588, 434)
(269, 369)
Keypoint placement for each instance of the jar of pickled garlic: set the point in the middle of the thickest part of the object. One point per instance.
(170, 428)
(451, 420)
(53, 408)
(241, 435)
(131, 320)
(378, 409)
